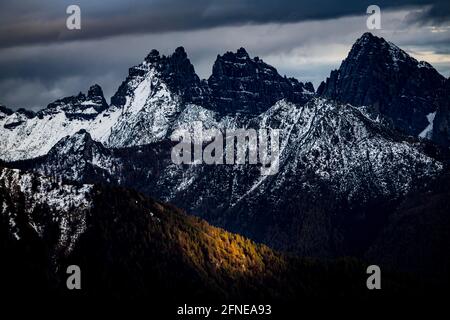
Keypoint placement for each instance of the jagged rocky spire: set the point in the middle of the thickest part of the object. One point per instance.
(175, 70)
(238, 83)
(79, 106)
(241, 84)
(377, 73)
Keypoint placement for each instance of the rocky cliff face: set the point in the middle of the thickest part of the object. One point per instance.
(241, 84)
(82, 106)
(79, 158)
(441, 122)
(175, 70)
(377, 73)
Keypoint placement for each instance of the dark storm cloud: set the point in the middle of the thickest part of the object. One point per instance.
(30, 22)
(436, 14)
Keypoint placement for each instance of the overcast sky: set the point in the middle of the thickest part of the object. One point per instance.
(40, 60)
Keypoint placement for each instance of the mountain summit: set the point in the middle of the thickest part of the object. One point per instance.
(79, 106)
(175, 70)
(242, 84)
(379, 74)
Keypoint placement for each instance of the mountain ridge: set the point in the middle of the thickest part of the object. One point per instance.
(144, 108)
(238, 84)
(326, 149)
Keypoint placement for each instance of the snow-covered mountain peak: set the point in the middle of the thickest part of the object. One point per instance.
(78, 157)
(73, 143)
(86, 106)
(147, 109)
(175, 71)
(141, 113)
